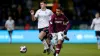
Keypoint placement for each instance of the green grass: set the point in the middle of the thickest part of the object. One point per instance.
(36, 50)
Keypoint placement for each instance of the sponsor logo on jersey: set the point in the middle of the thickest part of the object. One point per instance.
(58, 21)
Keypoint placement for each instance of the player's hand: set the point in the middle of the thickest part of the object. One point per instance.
(65, 23)
(32, 12)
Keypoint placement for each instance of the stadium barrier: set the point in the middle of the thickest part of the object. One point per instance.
(31, 36)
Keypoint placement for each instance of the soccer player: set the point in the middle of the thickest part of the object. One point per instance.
(58, 28)
(43, 16)
(96, 26)
(10, 26)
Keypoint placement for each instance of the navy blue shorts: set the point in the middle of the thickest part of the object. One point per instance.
(97, 33)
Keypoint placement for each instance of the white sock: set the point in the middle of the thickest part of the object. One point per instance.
(98, 41)
(10, 40)
(45, 44)
(56, 54)
(45, 47)
(98, 46)
(51, 48)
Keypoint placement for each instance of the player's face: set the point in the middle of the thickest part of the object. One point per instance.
(42, 5)
(58, 11)
(97, 15)
(9, 18)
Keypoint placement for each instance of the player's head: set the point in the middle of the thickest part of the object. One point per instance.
(97, 15)
(59, 11)
(43, 4)
(9, 18)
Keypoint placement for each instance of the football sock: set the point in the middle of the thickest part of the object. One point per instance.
(58, 48)
(98, 41)
(51, 48)
(10, 39)
(57, 54)
(45, 44)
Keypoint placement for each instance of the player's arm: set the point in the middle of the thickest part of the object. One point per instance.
(51, 25)
(67, 23)
(92, 25)
(68, 26)
(51, 13)
(6, 25)
(34, 17)
(14, 24)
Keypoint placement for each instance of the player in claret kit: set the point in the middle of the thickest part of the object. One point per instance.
(59, 25)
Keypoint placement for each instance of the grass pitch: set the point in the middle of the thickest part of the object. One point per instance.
(37, 49)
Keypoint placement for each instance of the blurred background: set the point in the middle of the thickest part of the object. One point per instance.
(79, 12)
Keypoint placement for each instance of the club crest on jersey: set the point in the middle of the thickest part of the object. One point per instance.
(58, 21)
(50, 22)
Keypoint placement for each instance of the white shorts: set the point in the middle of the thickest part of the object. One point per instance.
(57, 36)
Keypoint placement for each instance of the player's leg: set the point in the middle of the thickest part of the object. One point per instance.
(45, 35)
(60, 41)
(48, 38)
(58, 47)
(10, 34)
(98, 38)
(98, 41)
(42, 38)
(51, 45)
(52, 48)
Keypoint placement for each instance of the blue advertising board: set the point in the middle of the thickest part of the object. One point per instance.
(31, 36)
(81, 36)
(4, 37)
(25, 36)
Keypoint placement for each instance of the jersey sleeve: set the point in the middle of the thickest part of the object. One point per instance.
(37, 14)
(51, 24)
(65, 19)
(51, 13)
(13, 22)
(67, 23)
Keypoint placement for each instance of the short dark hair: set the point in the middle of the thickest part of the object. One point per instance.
(60, 8)
(43, 2)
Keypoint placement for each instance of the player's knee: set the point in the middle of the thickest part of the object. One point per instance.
(60, 41)
(42, 35)
(61, 38)
(48, 41)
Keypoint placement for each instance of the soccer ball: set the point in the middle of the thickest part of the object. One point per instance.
(23, 49)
